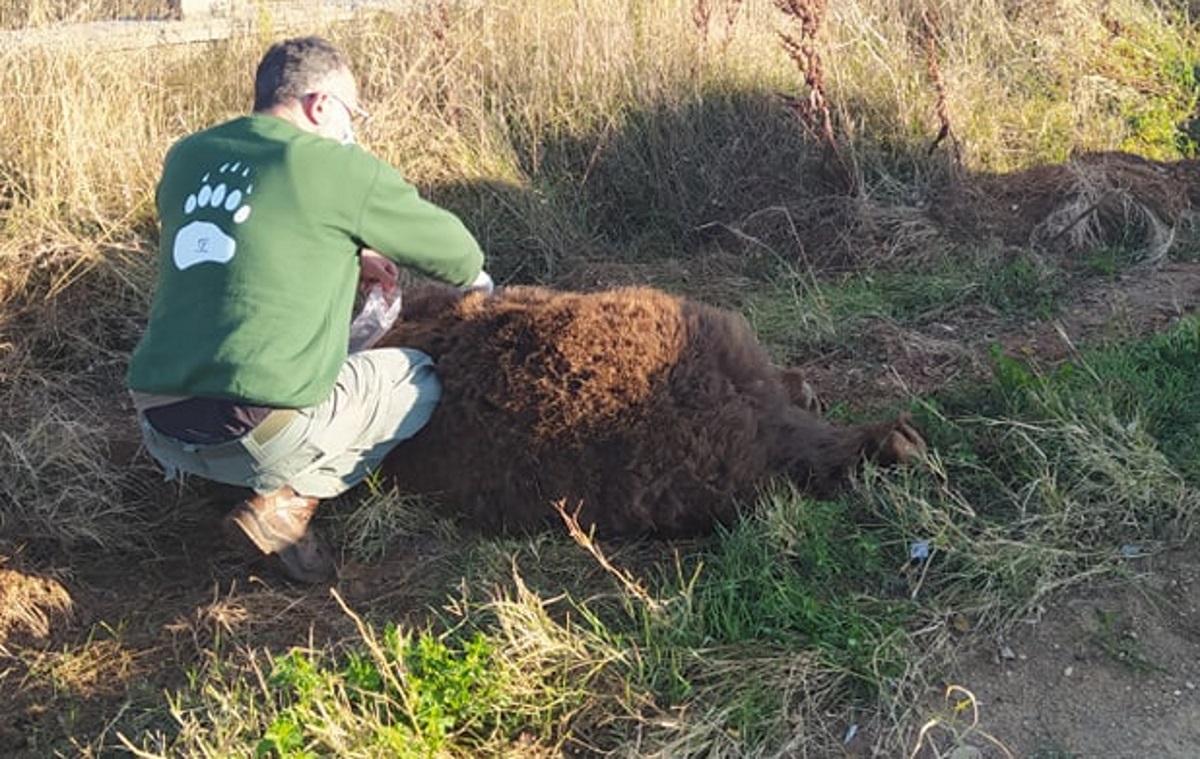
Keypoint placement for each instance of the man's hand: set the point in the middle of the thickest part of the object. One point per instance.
(375, 269)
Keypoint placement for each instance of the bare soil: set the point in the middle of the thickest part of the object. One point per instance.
(1103, 672)
(90, 641)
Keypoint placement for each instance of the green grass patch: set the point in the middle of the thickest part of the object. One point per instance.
(801, 581)
(1153, 383)
(1147, 385)
(503, 677)
(802, 573)
(797, 314)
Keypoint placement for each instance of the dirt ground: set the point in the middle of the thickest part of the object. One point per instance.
(87, 648)
(1103, 672)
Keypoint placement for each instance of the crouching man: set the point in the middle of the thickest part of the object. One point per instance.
(269, 222)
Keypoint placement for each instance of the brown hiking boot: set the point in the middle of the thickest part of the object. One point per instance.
(277, 525)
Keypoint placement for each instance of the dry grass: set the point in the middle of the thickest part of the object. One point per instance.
(25, 14)
(30, 607)
(1058, 502)
(1101, 211)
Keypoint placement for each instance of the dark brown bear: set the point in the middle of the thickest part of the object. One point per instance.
(648, 413)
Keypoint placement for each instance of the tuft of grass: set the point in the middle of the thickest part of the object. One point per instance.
(799, 595)
(1151, 382)
(58, 484)
(96, 667)
(33, 607)
(1065, 483)
(374, 521)
(805, 575)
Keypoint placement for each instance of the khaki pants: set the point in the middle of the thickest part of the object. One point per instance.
(381, 398)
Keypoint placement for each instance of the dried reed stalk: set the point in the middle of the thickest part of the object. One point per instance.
(931, 32)
(814, 111)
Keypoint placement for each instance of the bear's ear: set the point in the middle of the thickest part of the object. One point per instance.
(799, 392)
(900, 442)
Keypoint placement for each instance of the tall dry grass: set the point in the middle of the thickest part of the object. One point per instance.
(574, 101)
(26, 14)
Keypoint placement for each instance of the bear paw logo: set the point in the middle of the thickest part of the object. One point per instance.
(208, 239)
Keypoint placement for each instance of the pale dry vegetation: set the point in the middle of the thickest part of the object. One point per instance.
(27, 14)
(751, 153)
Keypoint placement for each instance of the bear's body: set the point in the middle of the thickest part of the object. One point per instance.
(644, 412)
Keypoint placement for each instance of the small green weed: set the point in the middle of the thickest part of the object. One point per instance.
(1121, 643)
(1022, 287)
(423, 689)
(1111, 259)
(455, 689)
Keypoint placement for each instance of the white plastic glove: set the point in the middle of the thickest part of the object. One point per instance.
(483, 283)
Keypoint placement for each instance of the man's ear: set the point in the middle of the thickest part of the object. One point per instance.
(314, 106)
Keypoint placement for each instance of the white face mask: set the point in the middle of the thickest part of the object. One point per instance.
(347, 134)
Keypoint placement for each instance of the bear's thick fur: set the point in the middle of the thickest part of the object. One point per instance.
(647, 413)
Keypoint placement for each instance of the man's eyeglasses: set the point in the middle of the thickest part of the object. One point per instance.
(356, 113)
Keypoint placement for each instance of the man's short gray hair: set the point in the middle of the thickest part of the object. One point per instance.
(293, 68)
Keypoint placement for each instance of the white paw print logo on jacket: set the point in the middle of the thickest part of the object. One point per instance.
(206, 239)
